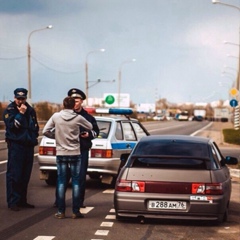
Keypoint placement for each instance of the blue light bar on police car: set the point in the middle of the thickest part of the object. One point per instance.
(123, 111)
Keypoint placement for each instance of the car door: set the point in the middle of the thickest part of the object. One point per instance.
(125, 137)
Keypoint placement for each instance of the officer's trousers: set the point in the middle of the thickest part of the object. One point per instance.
(19, 168)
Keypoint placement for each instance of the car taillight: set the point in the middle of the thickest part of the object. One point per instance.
(47, 151)
(138, 186)
(214, 189)
(130, 186)
(101, 153)
(207, 188)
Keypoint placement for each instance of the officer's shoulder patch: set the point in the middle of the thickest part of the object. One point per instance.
(6, 115)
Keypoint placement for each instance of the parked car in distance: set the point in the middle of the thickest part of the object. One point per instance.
(198, 118)
(118, 135)
(174, 177)
(159, 118)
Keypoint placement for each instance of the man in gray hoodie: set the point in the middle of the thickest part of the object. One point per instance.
(66, 124)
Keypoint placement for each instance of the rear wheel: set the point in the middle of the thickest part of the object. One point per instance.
(52, 178)
(224, 217)
(119, 217)
(94, 175)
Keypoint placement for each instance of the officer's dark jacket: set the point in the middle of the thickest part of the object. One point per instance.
(21, 128)
(86, 143)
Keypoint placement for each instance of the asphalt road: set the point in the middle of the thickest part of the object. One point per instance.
(99, 222)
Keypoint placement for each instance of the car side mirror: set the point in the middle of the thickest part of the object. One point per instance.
(231, 160)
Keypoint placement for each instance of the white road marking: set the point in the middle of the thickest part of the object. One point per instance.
(102, 232)
(110, 217)
(4, 161)
(44, 238)
(106, 224)
(202, 129)
(112, 210)
(109, 191)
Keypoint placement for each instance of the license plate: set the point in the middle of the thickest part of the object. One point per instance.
(167, 205)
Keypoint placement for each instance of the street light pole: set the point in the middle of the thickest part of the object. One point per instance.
(238, 8)
(233, 81)
(29, 63)
(236, 110)
(86, 71)
(120, 77)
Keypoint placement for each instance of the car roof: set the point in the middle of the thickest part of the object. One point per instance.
(182, 138)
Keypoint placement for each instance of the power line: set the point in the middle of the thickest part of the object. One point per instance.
(13, 58)
(52, 68)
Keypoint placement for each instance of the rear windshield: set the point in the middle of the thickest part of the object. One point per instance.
(104, 128)
(171, 155)
(172, 149)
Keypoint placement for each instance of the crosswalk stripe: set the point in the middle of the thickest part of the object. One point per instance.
(44, 238)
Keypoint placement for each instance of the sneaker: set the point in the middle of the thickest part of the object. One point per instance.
(59, 215)
(77, 215)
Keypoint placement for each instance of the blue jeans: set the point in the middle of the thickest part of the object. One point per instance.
(74, 163)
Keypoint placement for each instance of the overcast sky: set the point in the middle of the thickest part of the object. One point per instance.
(178, 47)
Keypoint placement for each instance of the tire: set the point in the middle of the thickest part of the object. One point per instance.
(94, 175)
(113, 183)
(224, 217)
(52, 178)
(119, 218)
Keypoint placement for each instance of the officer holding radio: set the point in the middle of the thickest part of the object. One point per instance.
(21, 137)
(86, 137)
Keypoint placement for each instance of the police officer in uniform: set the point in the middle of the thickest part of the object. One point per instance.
(21, 137)
(86, 137)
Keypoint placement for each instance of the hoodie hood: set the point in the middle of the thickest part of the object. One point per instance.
(67, 114)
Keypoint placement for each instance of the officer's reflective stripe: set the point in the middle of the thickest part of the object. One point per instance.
(124, 145)
(17, 123)
(94, 134)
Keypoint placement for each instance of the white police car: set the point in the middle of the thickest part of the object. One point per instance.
(118, 135)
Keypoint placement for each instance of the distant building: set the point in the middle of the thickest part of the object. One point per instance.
(146, 107)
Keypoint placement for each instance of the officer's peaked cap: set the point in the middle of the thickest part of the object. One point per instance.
(76, 93)
(20, 93)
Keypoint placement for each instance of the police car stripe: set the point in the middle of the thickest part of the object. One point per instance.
(124, 145)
